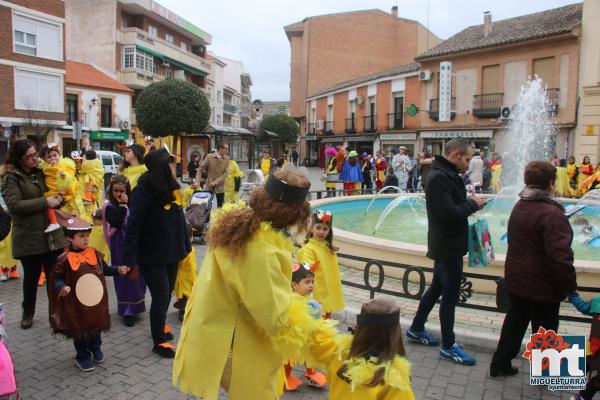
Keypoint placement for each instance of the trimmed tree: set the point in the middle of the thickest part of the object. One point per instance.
(172, 107)
(285, 127)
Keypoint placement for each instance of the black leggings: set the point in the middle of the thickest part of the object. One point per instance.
(32, 268)
(160, 282)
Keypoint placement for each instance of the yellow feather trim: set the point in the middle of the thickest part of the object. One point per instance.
(360, 372)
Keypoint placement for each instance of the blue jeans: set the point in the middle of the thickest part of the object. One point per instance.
(84, 346)
(446, 283)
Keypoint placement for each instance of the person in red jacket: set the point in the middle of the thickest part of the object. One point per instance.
(539, 269)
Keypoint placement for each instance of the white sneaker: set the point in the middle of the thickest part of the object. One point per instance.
(52, 228)
(3, 277)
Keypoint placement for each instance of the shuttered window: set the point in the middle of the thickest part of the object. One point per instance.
(491, 79)
(544, 68)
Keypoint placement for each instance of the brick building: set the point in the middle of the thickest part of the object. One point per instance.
(490, 63)
(32, 67)
(334, 48)
(365, 114)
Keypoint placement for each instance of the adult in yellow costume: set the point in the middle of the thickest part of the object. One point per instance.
(572, 171)
(91, 181)
(241, 317)
(231, 195)
(496, 174)
(133, 164)
(562, 186)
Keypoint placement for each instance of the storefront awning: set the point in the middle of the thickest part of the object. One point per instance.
(228, 130)
(185, 67)
(453, 134)
(108, 135)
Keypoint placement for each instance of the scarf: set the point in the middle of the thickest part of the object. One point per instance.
(539, 195)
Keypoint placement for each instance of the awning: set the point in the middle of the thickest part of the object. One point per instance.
(185, 67)
(228, 130)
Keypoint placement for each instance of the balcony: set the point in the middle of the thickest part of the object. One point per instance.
(112, 122)
(488, 105)
(328, 128)
(553, 99)
(350, 125)
(311, 129)
(135, 36)
(434, 108)
(80, 117)
(230, 108)
(370, 123)
(396, 120)
(137, 78)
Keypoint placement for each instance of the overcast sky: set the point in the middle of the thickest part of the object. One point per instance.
(252, 30)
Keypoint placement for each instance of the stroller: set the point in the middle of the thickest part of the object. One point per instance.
(197, 212)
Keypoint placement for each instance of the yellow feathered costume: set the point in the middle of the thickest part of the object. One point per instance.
(587, 184)
(67, 187)
(328, 282)
(496, 174)
(91, 182)
(332, 353)
(242, 304)
(6, 258)
(186, 275)
(234, 172)
(562, 186)
(134, 173)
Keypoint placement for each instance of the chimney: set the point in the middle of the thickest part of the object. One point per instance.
(487, 23)
(394, 11)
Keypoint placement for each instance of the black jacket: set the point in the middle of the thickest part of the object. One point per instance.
(155, 237)
(447, 211)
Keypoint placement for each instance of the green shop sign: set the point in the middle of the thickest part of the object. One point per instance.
(106, 135)
(412, 110)
(310, 137)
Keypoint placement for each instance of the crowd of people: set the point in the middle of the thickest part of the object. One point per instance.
(270, 280)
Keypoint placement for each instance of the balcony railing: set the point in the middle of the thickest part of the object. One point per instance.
(396, 120)
(311, 129)
(554, 99)
(434, 108)
(230, 108)
(79, 117)
(370, 123)
(487, 105)
(350, 125)
(328, 128)
(112, 123)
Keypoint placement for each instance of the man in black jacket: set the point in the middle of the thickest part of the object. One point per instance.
(447, 211)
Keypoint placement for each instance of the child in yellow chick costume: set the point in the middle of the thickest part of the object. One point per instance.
(319, 247)
(91, 181)
(241, 315)
(373, 362)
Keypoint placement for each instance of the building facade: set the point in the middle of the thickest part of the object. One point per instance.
(139, 41)
(100, 103)
(587, 134)
(334, 48)
(32, 66)
(490, 64)
(365, 114)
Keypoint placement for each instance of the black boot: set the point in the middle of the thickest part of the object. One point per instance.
(26, 320)
(510, 371)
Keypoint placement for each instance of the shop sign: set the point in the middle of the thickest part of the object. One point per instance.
(310, 137)
(445, 90)
(455, 134)
(591, 130)
(106, 135)
(399, 136)
(177, 20)
(412, 110)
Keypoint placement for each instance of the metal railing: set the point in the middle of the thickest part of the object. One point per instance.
(311, 129)
(553, 95)
(370, 123)
(112, 123)
(350, 125)
(487, 105)
(434, 108)
(328, 128)
(230, 108)
(466, 284)
(396, 120)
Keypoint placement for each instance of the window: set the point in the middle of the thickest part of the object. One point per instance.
(169, 73)
(169, 38)
(106, 113)
(152, 31)
(25, 43)
(397, 120)
(106, 160)
(117, 159)
(123, 22)
(184, 46)
(129, 57)
(491, 79)
(36, 38)
(218, 96)
(39, 91)
(72, 103)
(544, 68)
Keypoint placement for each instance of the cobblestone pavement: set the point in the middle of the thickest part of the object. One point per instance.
(46, 367)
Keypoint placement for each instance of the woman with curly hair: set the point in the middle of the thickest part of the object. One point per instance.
(241, 319)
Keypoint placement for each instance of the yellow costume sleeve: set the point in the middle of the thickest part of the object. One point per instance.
(133, 174)
(186, 275)
(187, 195)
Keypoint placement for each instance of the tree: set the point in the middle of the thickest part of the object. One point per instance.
(172, 107)
(285, 127)
(37, 122)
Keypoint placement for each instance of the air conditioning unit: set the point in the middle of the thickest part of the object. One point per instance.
(425, 75)
(166, 64)
(505, 112)
(359, 100)
(320, 124)
(124, 124)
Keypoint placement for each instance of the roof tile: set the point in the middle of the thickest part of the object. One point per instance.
(79, 74)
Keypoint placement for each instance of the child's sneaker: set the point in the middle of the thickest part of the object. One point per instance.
(168, 332)
(86, 365)
(315, 378)
(292, 383)
(52, 228)
(3, 277)
(165, 350)
(14, 274)
(98, 356)
(457, 355)
(422, 337)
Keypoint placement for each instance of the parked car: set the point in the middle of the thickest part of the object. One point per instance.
(111, 162)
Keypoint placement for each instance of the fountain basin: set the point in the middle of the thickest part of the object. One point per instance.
(357, 244)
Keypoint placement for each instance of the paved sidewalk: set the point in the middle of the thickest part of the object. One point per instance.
(46, 368)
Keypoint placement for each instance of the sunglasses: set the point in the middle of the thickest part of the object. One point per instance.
(32, 157)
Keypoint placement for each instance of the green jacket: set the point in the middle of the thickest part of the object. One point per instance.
(24, 197)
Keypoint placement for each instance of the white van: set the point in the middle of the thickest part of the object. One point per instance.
(110, 160)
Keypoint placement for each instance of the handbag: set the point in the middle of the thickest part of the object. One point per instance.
(481, 251)
(502, 295)
(237, 183)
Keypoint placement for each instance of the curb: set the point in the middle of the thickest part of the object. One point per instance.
(480, 340)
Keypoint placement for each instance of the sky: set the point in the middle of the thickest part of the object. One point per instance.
(251, 31)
